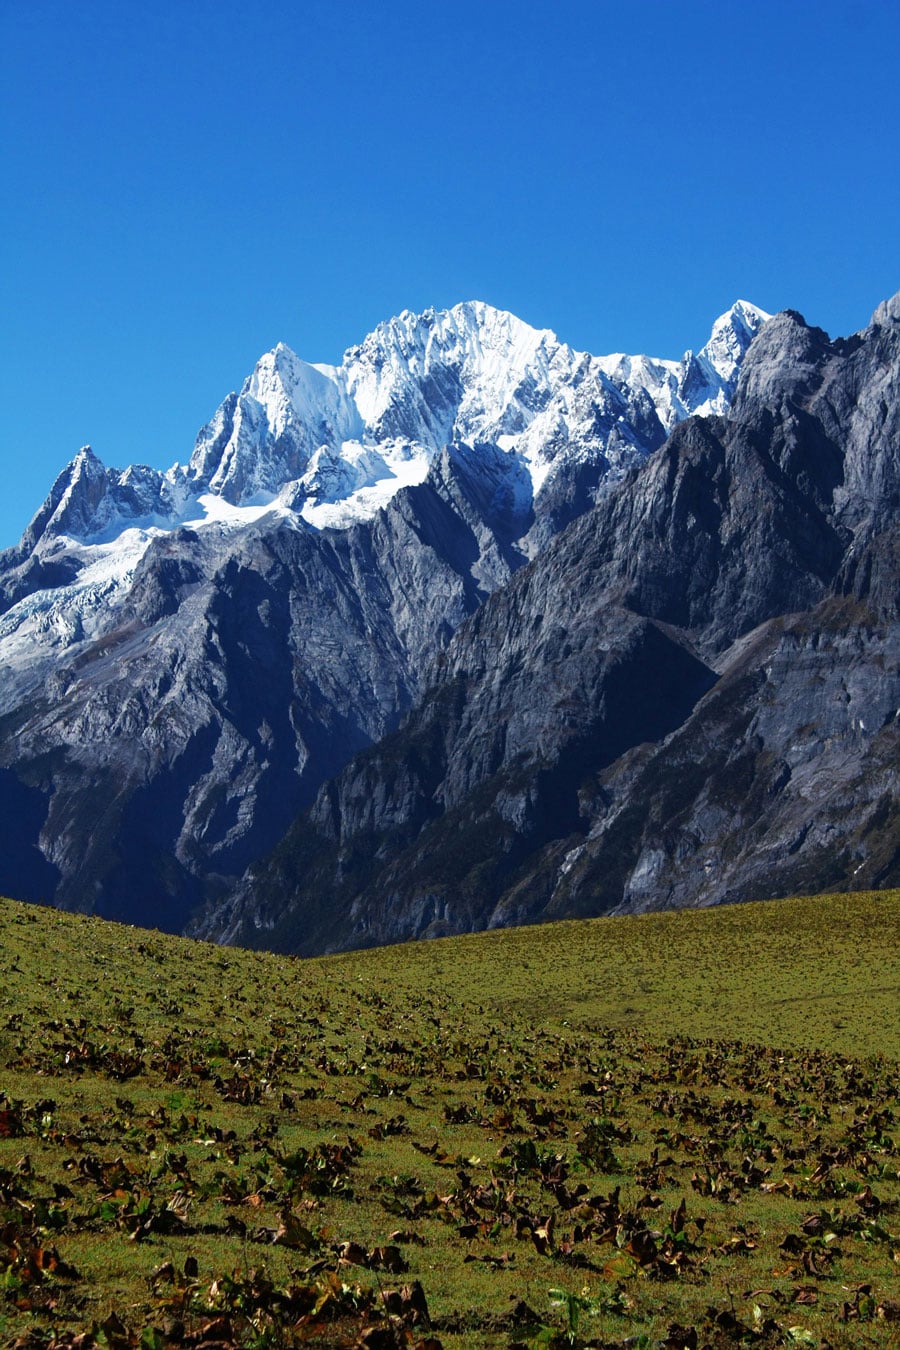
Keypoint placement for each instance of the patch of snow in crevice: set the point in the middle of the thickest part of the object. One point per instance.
(364, 502)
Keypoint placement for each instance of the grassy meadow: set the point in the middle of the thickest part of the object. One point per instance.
(678, 1130)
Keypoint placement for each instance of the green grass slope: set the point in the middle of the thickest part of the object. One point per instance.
(676, 1130)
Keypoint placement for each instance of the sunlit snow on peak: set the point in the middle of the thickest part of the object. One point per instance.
(332, 444)
(318, 446)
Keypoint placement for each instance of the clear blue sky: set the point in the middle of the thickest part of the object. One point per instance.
(187, 182)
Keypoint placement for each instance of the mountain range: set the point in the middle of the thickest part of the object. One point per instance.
(472, 629)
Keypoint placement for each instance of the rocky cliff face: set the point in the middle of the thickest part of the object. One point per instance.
(691, 696)
(188, 656)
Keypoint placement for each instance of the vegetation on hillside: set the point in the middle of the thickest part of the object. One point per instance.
(680, 1130)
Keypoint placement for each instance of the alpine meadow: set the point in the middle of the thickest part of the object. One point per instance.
(675, 1130)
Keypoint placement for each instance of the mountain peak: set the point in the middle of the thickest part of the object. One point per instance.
(336, 442)
(442, 327)
(73, 500)
(732, 334)
(888, 311)
(85, 456)
(747, 313)
(711, 376)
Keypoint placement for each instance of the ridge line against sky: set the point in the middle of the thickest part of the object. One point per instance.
(187, 185)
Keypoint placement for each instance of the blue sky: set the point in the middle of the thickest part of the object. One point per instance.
(186, 184)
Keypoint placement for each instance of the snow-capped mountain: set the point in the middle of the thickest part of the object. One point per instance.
(337, 442)
(187, 655)
(328, 446)
(333, 443)
(513, 649)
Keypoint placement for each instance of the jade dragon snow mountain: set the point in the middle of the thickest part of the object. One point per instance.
(465, 631)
